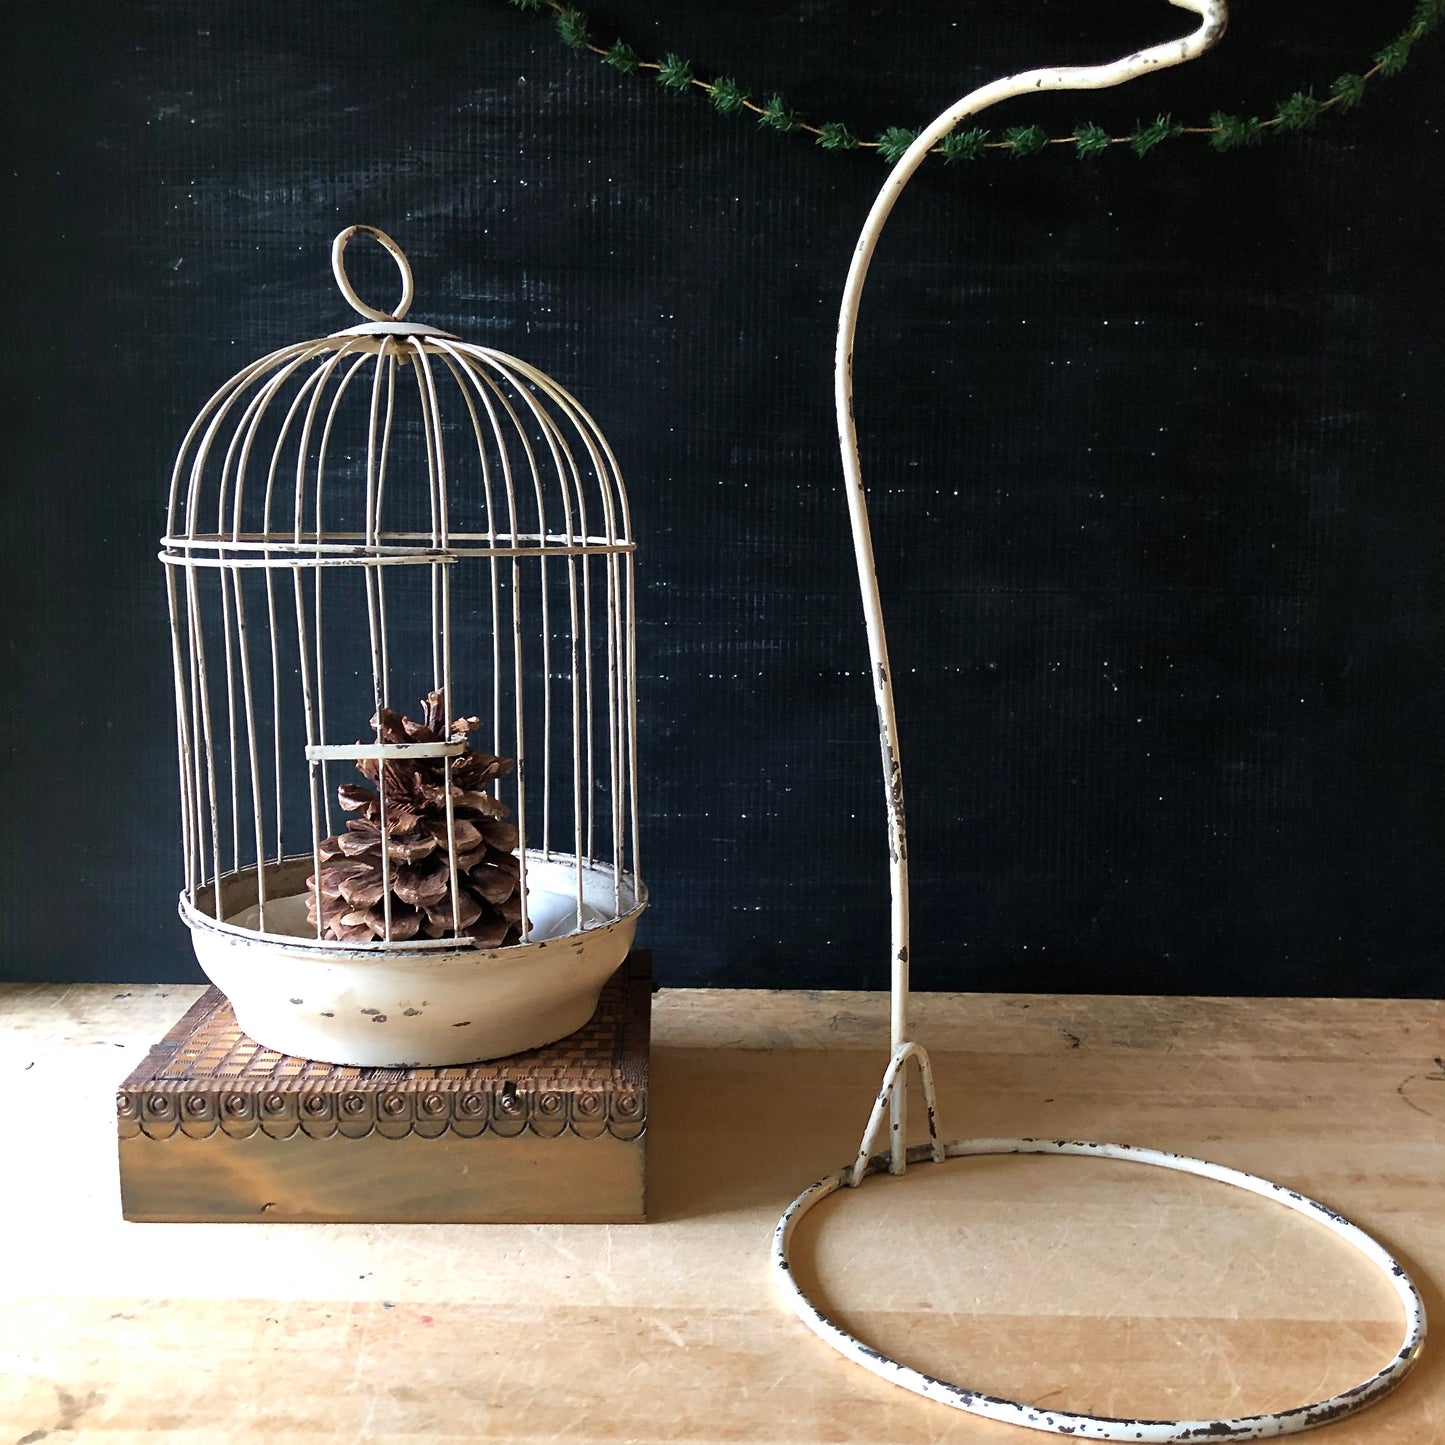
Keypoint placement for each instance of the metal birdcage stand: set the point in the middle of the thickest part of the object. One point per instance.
(383, 514)
(889, 1116)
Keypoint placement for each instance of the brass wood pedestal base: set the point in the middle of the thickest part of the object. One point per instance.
(214, 1127)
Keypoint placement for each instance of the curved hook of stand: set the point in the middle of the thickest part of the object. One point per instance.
(892, 1095)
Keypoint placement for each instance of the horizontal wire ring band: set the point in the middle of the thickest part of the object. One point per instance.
(318, 752)
(1099, 1427)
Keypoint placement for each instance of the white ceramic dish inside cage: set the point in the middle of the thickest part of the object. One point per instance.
(424, 1003)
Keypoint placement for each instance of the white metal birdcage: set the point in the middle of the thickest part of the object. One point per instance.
(382, 529)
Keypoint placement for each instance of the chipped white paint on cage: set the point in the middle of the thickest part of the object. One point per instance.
(892, 1095)
(452, 520)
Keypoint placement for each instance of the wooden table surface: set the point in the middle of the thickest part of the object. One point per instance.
(1082, 1284)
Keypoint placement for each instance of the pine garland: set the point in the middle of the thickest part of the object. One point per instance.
(1025, 140)
(1224, 132)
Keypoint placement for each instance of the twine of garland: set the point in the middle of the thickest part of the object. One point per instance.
(1226, 132)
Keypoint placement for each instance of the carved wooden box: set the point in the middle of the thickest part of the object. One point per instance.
(212, 1126)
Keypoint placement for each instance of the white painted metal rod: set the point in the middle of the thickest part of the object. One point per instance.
(1091, 77)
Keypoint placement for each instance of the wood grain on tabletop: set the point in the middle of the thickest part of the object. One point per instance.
(1083, 1284)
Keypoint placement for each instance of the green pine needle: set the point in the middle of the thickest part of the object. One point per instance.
(1091, 139)
(527, 4)
(1234, 132)
(1392, 58)
(1348, 90)
(572, 27)
(833, 135)
(1146, 136)
(894, 142)
(964, 145)
(621, 55)
(1299, 112)
(778, 116)
(1024, 140)
(675, 72)
(1428, 14)
(727, 96)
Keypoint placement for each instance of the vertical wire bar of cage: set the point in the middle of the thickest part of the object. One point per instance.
(472, 361)
(237, 464)
(204, 426)
(201, 690)
(273, 637)
(570, 486)
(236, 574)
(615, 479)
(518, 702)
(586, 429)
(372, 572)
(200, 687)
(468, 368)
(272, 471)
(183, 741)
(621, 681)
(362, 355)
(460, 367)
(458, 372)
(622, 688)
(303, 663)
(188, 684)
(227, 643)
(476, 361)
(565, 467)
(441, 591)
(381, 472)
(573, 518)
(371, 526)
(316, 770)
(539, 497)
(616, 710)
(437, 471)
(619, 795)
(609, 475)
(321, 692)
(564, 464)
(233, 463)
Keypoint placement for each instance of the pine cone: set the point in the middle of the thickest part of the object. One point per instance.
(488, 905)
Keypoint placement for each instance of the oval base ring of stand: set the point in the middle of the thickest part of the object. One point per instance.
(1101, 1427)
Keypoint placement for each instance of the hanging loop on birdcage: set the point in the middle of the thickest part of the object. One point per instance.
(343, 281)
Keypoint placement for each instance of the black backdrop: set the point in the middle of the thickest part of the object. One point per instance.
(1153, 449)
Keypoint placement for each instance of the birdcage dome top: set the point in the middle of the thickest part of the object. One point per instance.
(391, 441)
